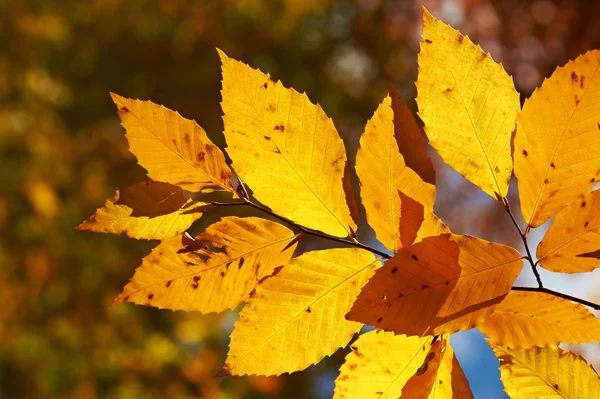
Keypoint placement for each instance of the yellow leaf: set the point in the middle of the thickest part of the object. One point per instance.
(569, 244)
(379, 365)
(468, 104)
(296, 317)
(171, 148)
(286, 149)
(526, 319)
(383, 174)
(557, 143)
(239, 252)
(440, 376)
(546, 373)
(147, 210)
(439, 286)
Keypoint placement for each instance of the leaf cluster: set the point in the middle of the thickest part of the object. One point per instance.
(291, 164)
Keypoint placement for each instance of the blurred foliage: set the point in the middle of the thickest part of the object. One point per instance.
(62, 152)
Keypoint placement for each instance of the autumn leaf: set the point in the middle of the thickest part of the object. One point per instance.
(573, 237)
(558, 140)
(527, 319)
(171, 148)
(236, 253)
(438, 286)
(287, 150)
(147, 210)
(296, 317)
(384, 365)
(546, 373)
(383, 175)
(468, 104)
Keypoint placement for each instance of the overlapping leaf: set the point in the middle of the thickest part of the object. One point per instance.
(384, 365)
(296, 317)
(216, 272)
(441, 285)
(171, 148)
(147, 210)
(527, 319)
(383, 175)
(557, 144)
(287, 150)
(573, 239)
(468, 104)
(546, 373)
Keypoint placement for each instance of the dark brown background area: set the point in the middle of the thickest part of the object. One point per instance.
(62, 153)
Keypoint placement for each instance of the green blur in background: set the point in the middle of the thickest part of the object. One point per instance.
(63, 152)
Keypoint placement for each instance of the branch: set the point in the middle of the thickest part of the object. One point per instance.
(558, 294)
(524, 238)
(305, 230)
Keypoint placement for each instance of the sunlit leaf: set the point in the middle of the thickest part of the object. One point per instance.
(216, 272)
(557, 144)
(383, 174)
(441, 285)
(147, 210)
(468, 104)
(296, 317)
(171, 148)
(573, 237)
(546, 373)
(286, 149)
(527, 319)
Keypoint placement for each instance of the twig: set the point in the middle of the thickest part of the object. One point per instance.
(524, 238)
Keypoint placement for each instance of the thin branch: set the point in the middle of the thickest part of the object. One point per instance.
(305, 230)
(524, 238)
(558, 294)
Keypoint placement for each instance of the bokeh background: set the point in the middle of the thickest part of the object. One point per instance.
(63, 152)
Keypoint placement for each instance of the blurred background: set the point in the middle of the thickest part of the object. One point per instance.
(63, 152)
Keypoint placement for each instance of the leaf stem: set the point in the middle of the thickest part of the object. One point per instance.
(524, 238)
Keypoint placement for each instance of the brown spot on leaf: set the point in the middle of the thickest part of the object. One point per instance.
(546, 181)
(201, 156)
(186, 139)
(447, 91)
(379, 320)
(497, 169)
(574, 77)
(556, 385)
(280, 128)
(126, 298)
(577, 101)
(414, 257)
(460, 38)
(447, 282)
(593, 179)
(583, 204)
(483, 56)
(168, 283)
(150, 296)
(271, 108)
(222, 274)
(308, 310)
(265, 85)
(424, 286)
(267, 138)
(525, 152)
(428, 41)
(394, 270)
(552, 165)
(196, 279)
(352, 367)
(195, 286)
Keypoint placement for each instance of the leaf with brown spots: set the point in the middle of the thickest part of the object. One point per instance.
(573, 236)
(527, 319)
(296, 318)
(380, 364)
(146, 210)
(546, 373)
(441, 285)
(384, 175)
(468, 104)
(171, 148)
(216, 272)
(557, 143)
(299, 173)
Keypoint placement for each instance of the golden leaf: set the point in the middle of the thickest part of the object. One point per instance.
(569, 244)
(439, 286)
(286, 149)
(296, 317)
(383, 174)
(468, 104)
(380, 364)
(440, 376)
(557, 143)
(546, 373)
(146, 210)
(171, 148)
(527, 319)
(239, 252)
